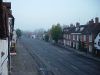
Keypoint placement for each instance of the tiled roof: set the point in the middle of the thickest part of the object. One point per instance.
(84, 29)
(92, 28)
(75, 29)
(81, 28)
(69, 30)
(7, 4)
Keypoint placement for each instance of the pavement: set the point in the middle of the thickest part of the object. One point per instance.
(22, 63)
(88, 55)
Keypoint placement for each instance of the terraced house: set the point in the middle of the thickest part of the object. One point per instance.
(6, 30)
(83, 37)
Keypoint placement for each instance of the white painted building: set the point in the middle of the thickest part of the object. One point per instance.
(13, 44)
(97, 42)
(4, 56)
(33, 36)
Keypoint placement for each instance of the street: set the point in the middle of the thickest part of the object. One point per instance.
(52, 60)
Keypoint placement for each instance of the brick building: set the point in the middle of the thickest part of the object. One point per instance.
(82, 36)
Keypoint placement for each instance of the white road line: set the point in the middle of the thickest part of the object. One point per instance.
(76, 68)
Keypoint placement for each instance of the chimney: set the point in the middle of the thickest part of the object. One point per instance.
(96, 20)
(91, 22)
(77, 24)
(71, 25)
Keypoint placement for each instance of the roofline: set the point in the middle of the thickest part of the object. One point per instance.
(76, 33)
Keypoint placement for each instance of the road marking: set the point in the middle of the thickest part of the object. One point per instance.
(56, 68)
(76, 68)
(48, 62)
(42, 69)
(60, 59)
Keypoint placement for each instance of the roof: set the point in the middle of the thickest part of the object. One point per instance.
(69, 30)
(80, 29)
(92, 28)
(84, 29)
(7, 4)
(4, 18)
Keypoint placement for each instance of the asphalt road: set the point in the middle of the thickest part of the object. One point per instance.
(52, 60)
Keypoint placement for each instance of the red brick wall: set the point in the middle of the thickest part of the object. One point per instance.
(87, 41)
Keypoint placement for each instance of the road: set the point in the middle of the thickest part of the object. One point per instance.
(52, 60)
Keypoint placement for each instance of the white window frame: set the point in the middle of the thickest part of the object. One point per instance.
(77, 37)
(69, 36)
(99, 34)
(84, 37)
(80, 37)
(90, 38)
(73, 37)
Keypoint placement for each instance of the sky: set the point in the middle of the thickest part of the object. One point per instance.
(36, 14)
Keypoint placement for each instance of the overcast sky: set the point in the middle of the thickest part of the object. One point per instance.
(35, 14)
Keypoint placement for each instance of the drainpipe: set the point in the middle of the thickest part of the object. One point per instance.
(9, 57)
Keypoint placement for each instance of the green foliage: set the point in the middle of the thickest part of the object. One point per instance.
(47, 37)
(19, 33)
(56, 32)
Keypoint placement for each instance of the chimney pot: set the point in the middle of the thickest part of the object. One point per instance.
(77, 24)
(96, 20)
(92, 21)
(71, 25)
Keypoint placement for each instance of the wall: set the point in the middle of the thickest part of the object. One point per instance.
(4, 57)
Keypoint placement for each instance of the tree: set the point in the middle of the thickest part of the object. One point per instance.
(19, 33)
(47, 37)
(56, 32)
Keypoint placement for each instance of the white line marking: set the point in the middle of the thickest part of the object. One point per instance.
(76, 68)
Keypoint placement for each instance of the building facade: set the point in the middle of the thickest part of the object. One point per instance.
(6, 29)
(82, 37)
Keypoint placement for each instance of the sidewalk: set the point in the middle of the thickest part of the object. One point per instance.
(22, 63)
(90, 56)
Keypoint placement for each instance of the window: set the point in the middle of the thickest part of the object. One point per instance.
(99, 34)
(99, 43)
(77, 37)
(69, 36)
(81, 29)
(64, 36)
(84, 37)
(95, 43)
(90, 38)
(80, 37)
(73, 37)
(76, 29)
